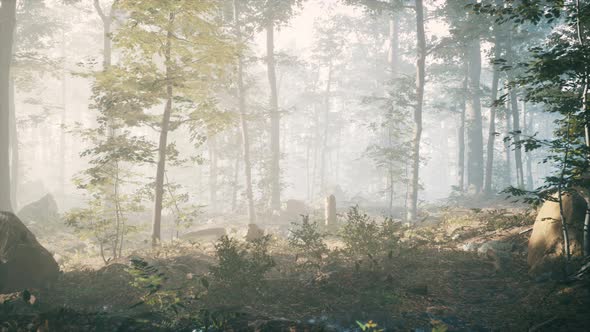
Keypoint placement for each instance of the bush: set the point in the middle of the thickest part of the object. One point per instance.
(364, 236)
(242, 265)
(308, 241)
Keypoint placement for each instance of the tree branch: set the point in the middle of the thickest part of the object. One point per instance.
(99, 10)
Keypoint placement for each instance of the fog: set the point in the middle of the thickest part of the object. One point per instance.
(281, 145)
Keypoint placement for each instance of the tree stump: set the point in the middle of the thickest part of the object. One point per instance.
(330, 210)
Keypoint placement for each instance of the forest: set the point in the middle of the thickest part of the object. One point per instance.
(294, 165)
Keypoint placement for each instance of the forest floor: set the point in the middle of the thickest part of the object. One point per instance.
(440, 278)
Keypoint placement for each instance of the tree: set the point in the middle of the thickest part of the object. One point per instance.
(487, 187)
(556, 76)
(516, 130)
(420, 83)
(173, 54)
(328, 46)
(243, 121)
(7, 26)
(273, 14)
(473, 119)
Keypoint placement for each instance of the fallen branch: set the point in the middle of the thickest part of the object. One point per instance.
(525, 231)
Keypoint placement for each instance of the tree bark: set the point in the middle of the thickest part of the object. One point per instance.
(420, 77)
(515, 120)
(487, 188)
(475, 167)
(508, 129)
(461, 133)
(326, 130)
(393, 67)
(14, 150)
(244, 122)
(275, 172)
(7, 26)
(212, 143)
(62, 134)
(163, 143)
(113, 203)
(236, 175)
(585, 192)
(528, 126)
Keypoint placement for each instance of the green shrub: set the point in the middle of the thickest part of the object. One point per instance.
(308, 240)
(242, 265)
(364, 236)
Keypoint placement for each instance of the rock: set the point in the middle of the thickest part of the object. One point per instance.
(205, 234)
(469, 246)
(498, 252)
(254, 233)
(495, 246)
(545, 248)
(293, 210)
(24, 263)
(42, 211)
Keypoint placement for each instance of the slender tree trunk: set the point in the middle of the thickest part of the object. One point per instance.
(461, 152)
(308, 170)
(275, 175)
(516, 133)
(14, 150)
(7, 25)
(212, 142)
(528, 127)
(491, 135)
(163, 144)
(326, 131)
(475, 166)
(507, 150)
(420, 77)
(488, 182)
(461, 134)
(315, 151)
(114, 202)
(585, 192)
(62, 135)
(515, 119)
(393, 65)
(243, 122)
(236, 176)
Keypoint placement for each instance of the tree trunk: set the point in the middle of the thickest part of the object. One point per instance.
(275, 173)
(516, 133)
(420, 76)
(7, 25)
(212, 143)
(461, 134)
(62, 134)
(393, 65)
(236, 175)
(515, 119)
(508, 153)
(528, 126)
(163, 144)
(14, 150)
(326, 131)
(113, 203)
(316, 146)
(243, 122)
(475, 167)
(586, 112)
(330, 217)
(487, 188)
